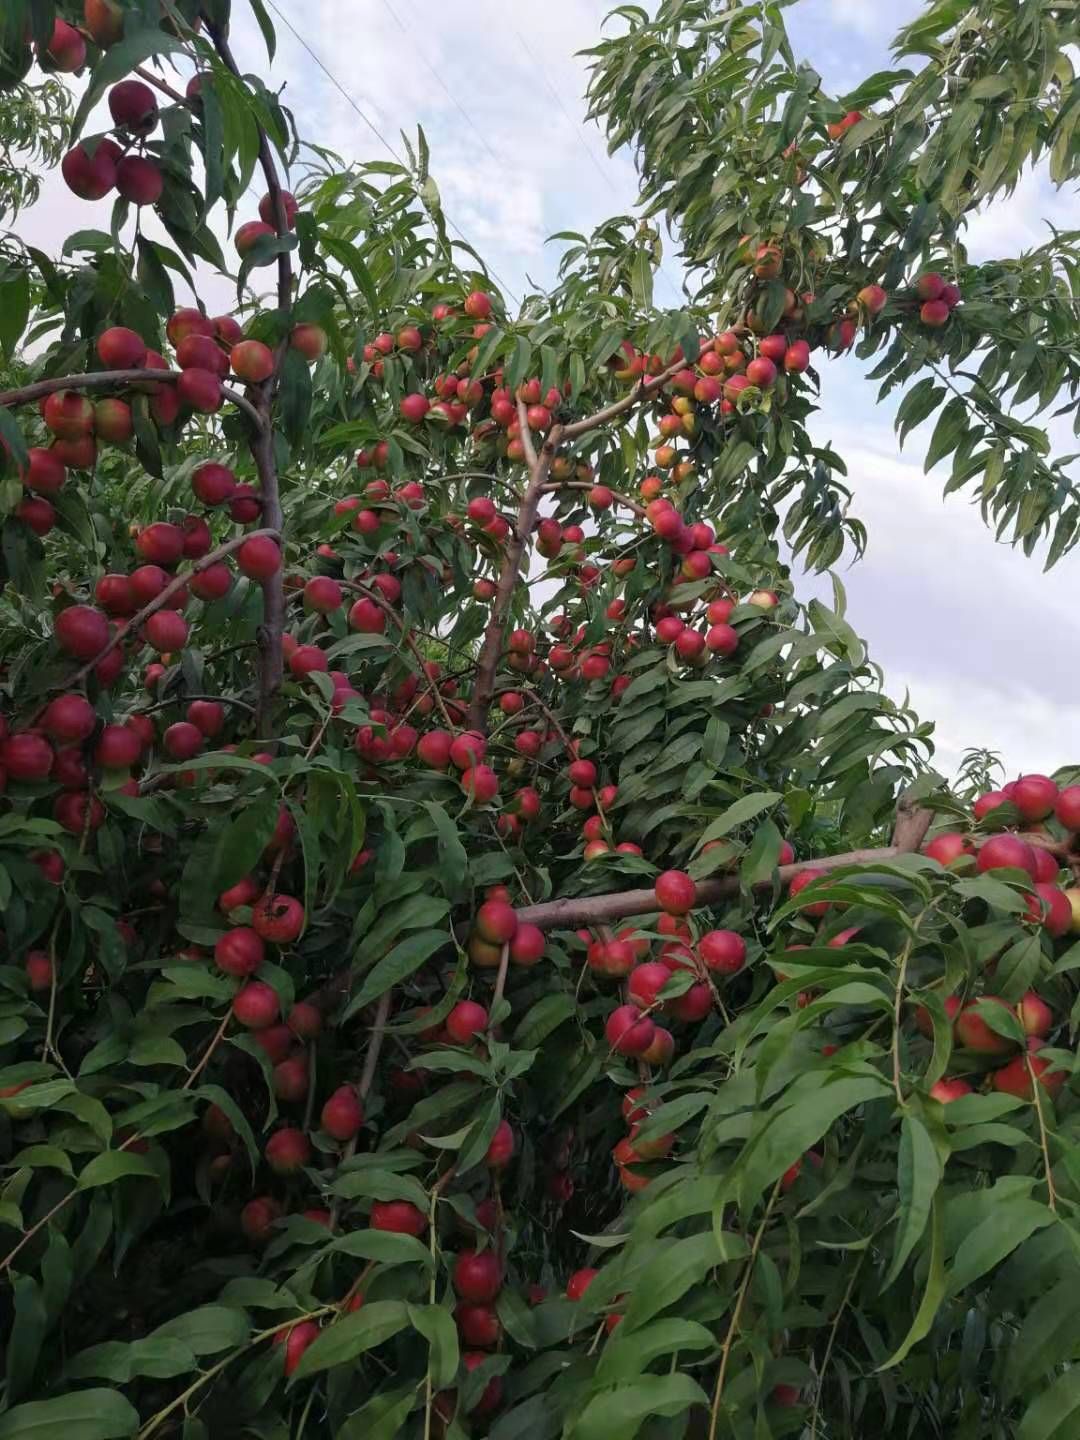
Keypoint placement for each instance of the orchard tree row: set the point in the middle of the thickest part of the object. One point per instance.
(480, 957)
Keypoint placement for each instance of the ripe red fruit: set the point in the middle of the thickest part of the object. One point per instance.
(287, 1151)
(182, 740)
(255, 1005)
(478, 1325)
(675, 892)
(478, 305)
(527, 946)
(1035, 1015)
(91, 176)
(207, 716)
(268, 211)
(949, 847)
(433, 748)
(239, 952)
(257, 1219)
(259, 557)
(121, 349)
(948, 1090)
(973, 1032)
(200, 390)
(68, 415)
(496, 922)
(501, 1150)
(467, 749)
(723, 951)
(296, 1339)
(477, 1276)
(139, 180)
(1049, 907)
(799, 883)
(480, 783)
(119, 747)
(161, 544)
(1006, 852)
(342, 1115)
(77, 811)
(1034, 796)
(81, 631)
(323, 594)
(466, 1020)
(1067, 807)
(934, 314)
(645, 983)
(212, 583)
(279, 919)
(579, 1282)
(166, 631)
(66, 50)
(213, 483)
(275, 1042)
(249, 234)
(399, 1217)
(628, 1032)
(252, 361)
(69, 719)
(133, 106)
(291, 1078)
(44, 471)
(367, 617)
(39, 970)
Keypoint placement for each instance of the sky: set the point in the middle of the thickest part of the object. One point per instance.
(981, 639)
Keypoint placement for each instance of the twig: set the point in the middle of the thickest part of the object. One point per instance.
(641, 391)
(500, 979)
(175, 585)
(373, 595)
(831, 1341)
(733, 1326)
(116, 379)
(1051, 1192)
(367, 1076)
(186, 698)
(617, 496)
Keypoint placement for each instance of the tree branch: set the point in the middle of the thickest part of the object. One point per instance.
(116, 379)
(491, 649)
(616, 495)
(641, 391)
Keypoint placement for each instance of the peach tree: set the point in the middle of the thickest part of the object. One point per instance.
(479, 955)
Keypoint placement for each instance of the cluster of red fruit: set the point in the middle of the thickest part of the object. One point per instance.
(93, 168)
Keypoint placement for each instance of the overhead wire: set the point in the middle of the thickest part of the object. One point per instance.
(376, 131)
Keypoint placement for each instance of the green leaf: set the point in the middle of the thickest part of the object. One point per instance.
(935, 1287)
(619, 1414)
(83, 1415)
(207, 1330)
(737, 814)
(352, 1335)
(630, 1352)
(797, 1129)
(1056, 1413)
(438, 1328)
(918, 1175)
(116, 1165)
(27, 1333)
(672, 1270)
(404, 959)
(995, 1238)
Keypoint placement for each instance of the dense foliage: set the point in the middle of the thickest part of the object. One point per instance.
(480, 957)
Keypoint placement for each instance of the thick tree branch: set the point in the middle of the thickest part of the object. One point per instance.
(491, 649)
(641, 391)
(115, 379)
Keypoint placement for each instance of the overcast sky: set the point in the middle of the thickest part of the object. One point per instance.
(985, 643)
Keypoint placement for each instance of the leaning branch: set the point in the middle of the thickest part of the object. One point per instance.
(641, 391)
(115, 379)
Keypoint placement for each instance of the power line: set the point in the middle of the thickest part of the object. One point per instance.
(374, 129)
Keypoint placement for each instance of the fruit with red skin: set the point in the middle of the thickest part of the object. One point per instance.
(528, 946)
(467, 749)
(118, 748)
(70, 719)
(645, 983)
(343, 1115)
(973, 1032)
(66, 50)
(255, 1005)
(478, 1325)
(200, 390)
(722, 951)
(227, 330)
(207, 716)
(81, 631)
(477, 1276)
(305, 1020)
(873, 299)
(139, 180)
(722, 639)
(133, 106)
(799, 882)
(166, 631)
(239, 952)
(414, 407)
(669, 629)
(1049, 907)
(690, 644)
(929, 285)
(161, 544)
(287, 1151)
(308, 658)
(1006, 852)
(676, 892)
(278, 918)
(248, 236)
(579, 1282)
(762, 373)
(104, 20)
(797, 357)
(296, 1339)
(119, 348)
(692, 1006)
(628, 1032)
(113, 421)
(1067, 807)
(39, 970)
(466, 1020)
(1035, 1015)
(91, 177)
(1047, 865)
(259, 558)
(662, 1049)
(1015, 1077)
(252, 361)
(992, 800)
(433, 748)
(142, 726)
(68, 415)
(367, 617)
(949, 847)
(268, 211)
(947, 1090)
(1034, 796)
(275, 1042)
(478, 305)
(244, 892)
(291, 1079)
(212, 583)
(399, 1217)
(50, 864)
(323, 595)
(480, 784)
(44, 471)
(258, 1217)
(501, 1149)
(183, 740)
(496, 922)
(934, 314)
